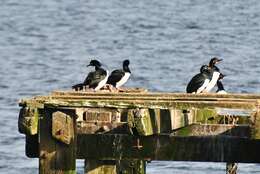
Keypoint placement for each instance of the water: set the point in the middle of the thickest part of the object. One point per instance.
(45, 45)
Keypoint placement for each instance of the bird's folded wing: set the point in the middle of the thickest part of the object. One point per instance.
(95, 77)
(115, 76)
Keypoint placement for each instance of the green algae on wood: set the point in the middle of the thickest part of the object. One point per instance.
(100, 167)
(255, 123)
(242, 131)
(156, 95)
(148, 104)
(169, 147)
(56, 157)
(140, 120)
(131, 167)
(28, 121)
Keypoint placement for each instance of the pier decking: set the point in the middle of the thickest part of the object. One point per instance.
(119, 132)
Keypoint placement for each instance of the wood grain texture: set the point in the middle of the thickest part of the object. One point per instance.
(169, 148)
(55, 157)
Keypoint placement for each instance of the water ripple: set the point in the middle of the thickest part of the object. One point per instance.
(45, 46)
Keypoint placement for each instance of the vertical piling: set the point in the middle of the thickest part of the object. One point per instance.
(231, 168)
(131, 167)
(56, 156)
(100, 167)
(255, 119)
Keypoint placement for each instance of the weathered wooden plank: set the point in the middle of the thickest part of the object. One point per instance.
(168, 147)
(140, 120)
(242, 131)
(98, 114)
(146, 97)
(149, 104)
(32, 146)
(92, 128)
(56, 157)
(157, 94)
(36, 102)
(255, 123)
(28, 121)
(192, 130)
(149, 98)
(153, 121)
(100, 167)
(231, 168)
(62, 127)
(131, 167)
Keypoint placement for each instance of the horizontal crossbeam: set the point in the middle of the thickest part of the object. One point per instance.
(168, 148)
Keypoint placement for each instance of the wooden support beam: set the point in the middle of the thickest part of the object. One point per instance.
(242, 131)
(92, 128)
(255, 123)
(56, 156)
(155, 121)
(131, 167)
(100, 167)
(32, 146)
(231, 168)
(155, 94)
(143, 100)
(115, 167)
(28, 121)
(168, 147)
(178, 104)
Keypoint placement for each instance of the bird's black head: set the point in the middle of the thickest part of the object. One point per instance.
(204, 68)
(126, 62)
(214, 61)
(125, 65)
(94, 63)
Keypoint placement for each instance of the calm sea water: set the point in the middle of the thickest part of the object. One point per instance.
(45, 45)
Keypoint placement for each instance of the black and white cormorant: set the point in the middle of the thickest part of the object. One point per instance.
(199, 82)
(95, 79)
(120, 76)
(214, 73)
(220, 86)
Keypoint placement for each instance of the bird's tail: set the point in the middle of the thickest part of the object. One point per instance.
(78, 87)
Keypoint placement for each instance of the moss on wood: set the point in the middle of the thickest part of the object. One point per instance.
(28, 121)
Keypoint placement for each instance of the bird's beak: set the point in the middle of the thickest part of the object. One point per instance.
(88, 65)
(219, 60)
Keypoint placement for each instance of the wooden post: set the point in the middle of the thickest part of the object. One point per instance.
(100, 167)
(32, 146)
(160, 130)
(231, 168)
(131, 167)
(57, 156)
(255, 123)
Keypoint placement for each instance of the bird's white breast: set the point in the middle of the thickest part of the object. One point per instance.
(213, 81)
(206, 82)
(102, 82)
(123, 80)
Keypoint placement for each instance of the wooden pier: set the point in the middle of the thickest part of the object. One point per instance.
(117, 133)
